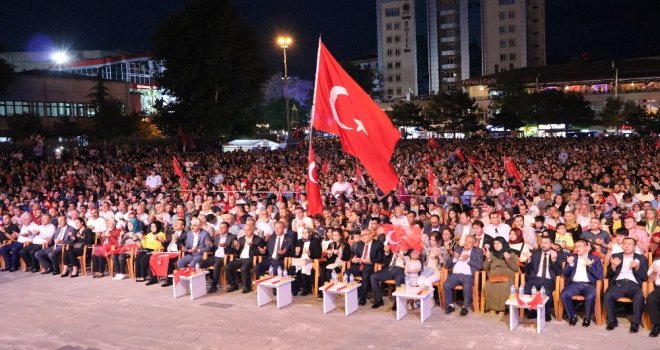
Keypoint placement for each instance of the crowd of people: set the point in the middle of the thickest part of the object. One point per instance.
(583, 209)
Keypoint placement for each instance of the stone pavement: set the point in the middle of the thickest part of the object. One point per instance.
(48, 312)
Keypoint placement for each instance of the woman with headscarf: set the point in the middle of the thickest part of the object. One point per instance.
(518, 245)
(500, 265)
(129, 240)
(152, 241)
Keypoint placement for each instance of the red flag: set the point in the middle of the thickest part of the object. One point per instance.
(400, 237)
(460, 155)
(471, 159)
(179, 173)
(314, 205)
(433, 143)
(477, 185)
(325, 167)
(511, 168)
(431, 177)
(342, 108)
(657, 145)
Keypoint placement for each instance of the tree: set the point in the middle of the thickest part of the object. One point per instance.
(558, 107)
(453, 111)
(109, 120)
(406, 113)
(6, 75)
(611, 113)
(511, 106)
(213, 69)
(363, 77)
(274, 114)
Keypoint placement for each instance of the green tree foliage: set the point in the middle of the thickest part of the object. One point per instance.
(110, 119)
(214, 70)
(511, 106)
(274, 114)
(363, 77)
(558, 107)
(404, 113)
(616, 113)
(453, 111)
(6, 75)
(611, 114)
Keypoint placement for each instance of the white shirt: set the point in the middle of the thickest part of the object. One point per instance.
(154, 181)
(220, 252)
(267, 227)
(98, 224)
(106, 214)
(657, 277)
(626, 271)
(25, 234)
(299, 225)
(462, 267)
(278, 245)
(547, 267)
(581, 271)
(501, 230)
(399, 220)
(245, 253)
(172, 247)
(46, 232)
(60, 233)
(341, 187)
(464, 234)
(195, 239)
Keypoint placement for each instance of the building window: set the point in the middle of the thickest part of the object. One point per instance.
(512, 14)
(397, 52)
(389, 65)
(450, 47)
(393, 12)
(502, 43)
(388, 39)
(397, 64)
(398, 77)
(502, 29)
(397, 26)
(388, 26)
(450, 33)
(507, 2)
(389, 52)
(502, 15)
(512, 42)
(398, 91)
(502, 57)
(511, 66)
(512, 57)
(390, 78)
(397, 38)
(512, 29)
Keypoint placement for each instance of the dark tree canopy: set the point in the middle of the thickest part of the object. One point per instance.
(453, 111)
(274, 114)
(404, 113)
(214, 70)
(363, 77)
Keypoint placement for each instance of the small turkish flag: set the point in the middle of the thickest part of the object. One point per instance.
(511, 168)
(342, 108)
(431, 177)
(400, 237)
(314, 205)
(460, 155)
(179, 173)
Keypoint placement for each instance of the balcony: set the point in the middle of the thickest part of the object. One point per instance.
(449, 53)
(449, 66)
(448, 25)
(449, 39)
(450, 80)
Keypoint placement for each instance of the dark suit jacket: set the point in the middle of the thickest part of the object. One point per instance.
(594, 272)
(639, 273)
(67, 230)
(375, 251)
(286, 243)
(180, 242)
(534, 263)
(486, 240)
(476, 260)
(204, 239)
(229, 244)
(257, 242)
(315, 248)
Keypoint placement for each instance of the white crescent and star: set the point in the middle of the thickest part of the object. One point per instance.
(310, 173)
(335, 92)
(389, 239)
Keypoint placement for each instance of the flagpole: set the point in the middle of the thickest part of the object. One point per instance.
(316, 83)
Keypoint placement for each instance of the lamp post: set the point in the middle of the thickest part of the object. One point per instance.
(284, 42)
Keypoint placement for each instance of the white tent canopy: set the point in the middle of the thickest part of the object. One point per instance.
(247, 145)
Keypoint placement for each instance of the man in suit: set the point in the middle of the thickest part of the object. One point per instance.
(626, 272)
(246, 247)
(541, 269)
(198, 241)
(223, 244)
(367, 253)
(278, 247)
(463, 228)
(465, 262)
(581, 273)
(393, 268)
(49, 258)
(481, 239)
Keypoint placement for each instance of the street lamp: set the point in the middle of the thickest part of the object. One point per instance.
(284, 42)
(60, 58)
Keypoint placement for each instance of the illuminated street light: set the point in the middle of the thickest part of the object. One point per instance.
(59, 57)
(284, 42)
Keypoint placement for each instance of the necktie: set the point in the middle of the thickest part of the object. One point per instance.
(496, 233)
(544, 266)
(479, 242)
(365, 254)
(277, 248)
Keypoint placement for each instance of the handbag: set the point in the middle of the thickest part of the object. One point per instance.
(99, 250)
(498, 278)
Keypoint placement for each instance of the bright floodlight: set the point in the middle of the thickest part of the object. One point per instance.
(284, 41)
(59, 57)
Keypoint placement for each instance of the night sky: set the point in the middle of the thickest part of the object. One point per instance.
(607, 29)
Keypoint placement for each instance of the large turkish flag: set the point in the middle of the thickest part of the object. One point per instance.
(342, 108)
